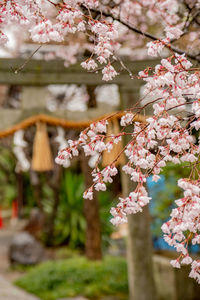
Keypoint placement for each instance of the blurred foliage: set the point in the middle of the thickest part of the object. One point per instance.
(106, 201)
(78, 276)
(7, 177)
(64, 252)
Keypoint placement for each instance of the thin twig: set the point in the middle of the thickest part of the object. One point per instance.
(28, 59)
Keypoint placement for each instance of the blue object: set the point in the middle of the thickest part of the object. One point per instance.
(154, 189)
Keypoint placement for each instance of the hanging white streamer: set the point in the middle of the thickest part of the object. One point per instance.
(19, 144)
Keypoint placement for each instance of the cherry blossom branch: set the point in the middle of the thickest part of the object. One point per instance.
(145, 34)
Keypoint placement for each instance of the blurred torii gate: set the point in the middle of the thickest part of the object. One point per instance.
(34, 76)
(37, 74)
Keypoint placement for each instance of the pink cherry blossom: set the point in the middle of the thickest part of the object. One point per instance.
(109, 73)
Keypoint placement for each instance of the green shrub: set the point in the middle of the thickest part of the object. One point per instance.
(77, 276)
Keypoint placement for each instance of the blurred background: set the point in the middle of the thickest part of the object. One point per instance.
(54, 245)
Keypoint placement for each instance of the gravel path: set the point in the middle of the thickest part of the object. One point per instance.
(10, 292)
(7, 290)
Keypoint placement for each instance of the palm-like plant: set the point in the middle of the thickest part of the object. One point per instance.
(70, 222)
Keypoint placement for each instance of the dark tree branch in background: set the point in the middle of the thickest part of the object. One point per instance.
(190, 9)
(145, 34)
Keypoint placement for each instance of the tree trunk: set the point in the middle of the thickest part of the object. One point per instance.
(91, 211)
(20, 194)
(91, 207)
(54, 183)
(37, 189)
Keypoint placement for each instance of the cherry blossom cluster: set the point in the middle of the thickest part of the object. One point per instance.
(165, 10)
(69, 19)
(130, 205)
(184, 225)
(104, 36)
